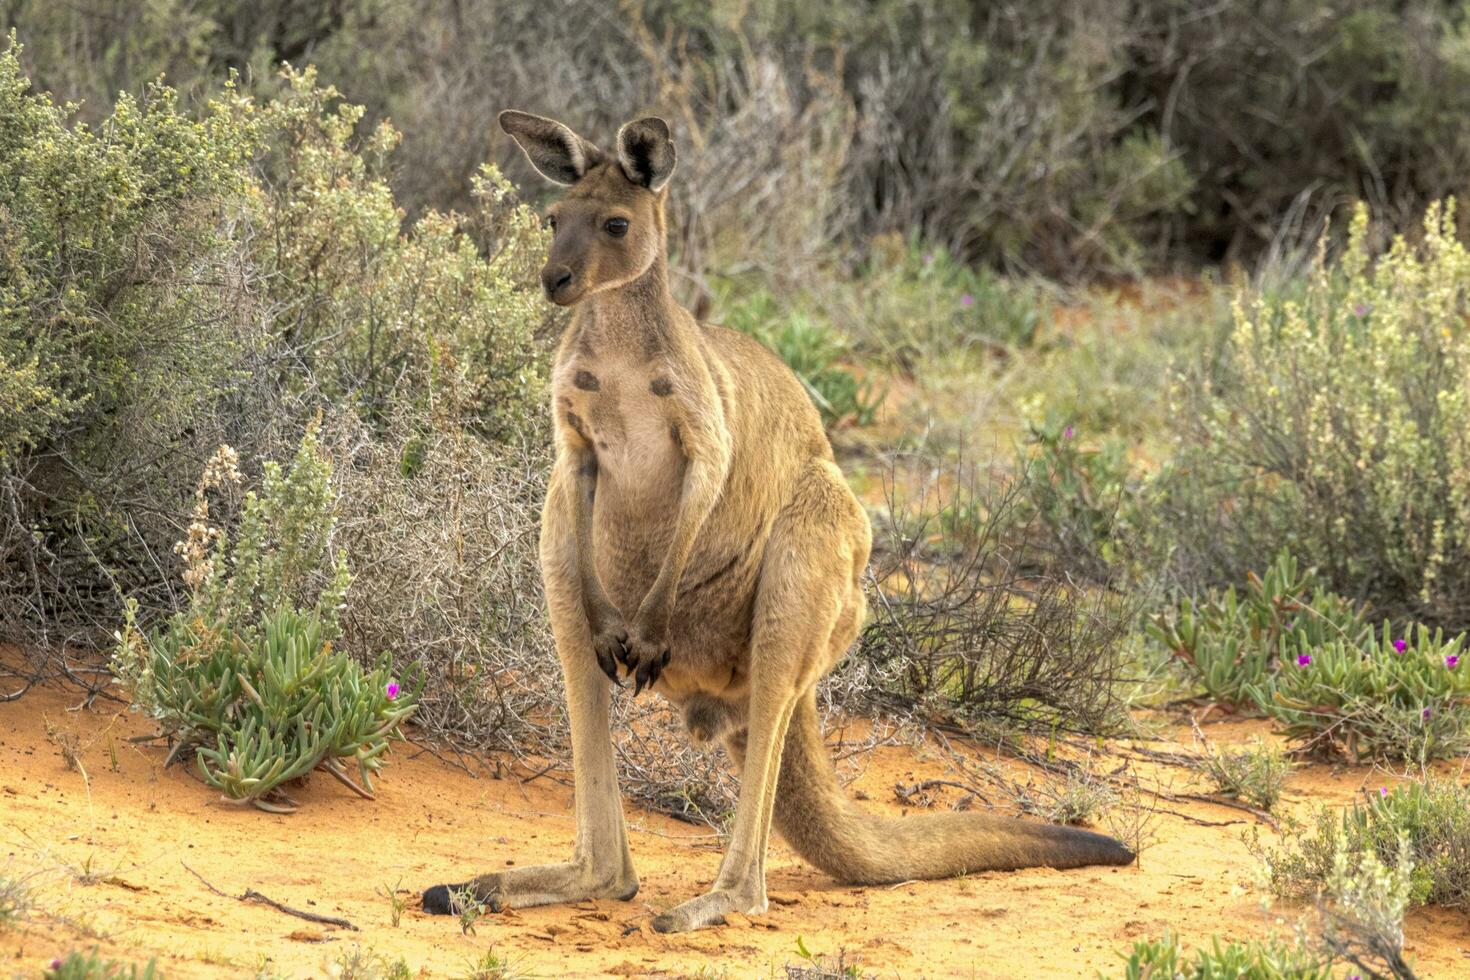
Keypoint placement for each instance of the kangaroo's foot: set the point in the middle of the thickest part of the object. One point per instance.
(708, 910)
(545, 884)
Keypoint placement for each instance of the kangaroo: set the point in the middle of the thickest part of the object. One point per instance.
(699, 540)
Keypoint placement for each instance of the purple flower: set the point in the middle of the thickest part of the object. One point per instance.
(1303, 660)
(967, 300)
(1400, 646)
(1068, 432)
(1383, 791)
(1426, 714)
(56, 964)
(1361, 310)
(1290, 623)
(392, 690)
(1451, 661)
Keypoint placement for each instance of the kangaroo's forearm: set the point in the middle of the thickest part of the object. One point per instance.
(702, 481)
(585, 486)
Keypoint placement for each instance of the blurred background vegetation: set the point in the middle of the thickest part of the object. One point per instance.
(1065, 137)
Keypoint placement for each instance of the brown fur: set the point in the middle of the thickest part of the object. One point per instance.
(698, 538)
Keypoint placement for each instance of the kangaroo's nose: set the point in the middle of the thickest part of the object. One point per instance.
(554, 279)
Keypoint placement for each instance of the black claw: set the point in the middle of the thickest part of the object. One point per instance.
(436, 899)
(609, 667)
(624, 654)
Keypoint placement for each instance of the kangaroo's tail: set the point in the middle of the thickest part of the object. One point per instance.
(815, 817)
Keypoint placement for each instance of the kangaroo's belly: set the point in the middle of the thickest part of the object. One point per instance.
(709, 634)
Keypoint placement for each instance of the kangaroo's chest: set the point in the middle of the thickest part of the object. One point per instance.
(615, 409)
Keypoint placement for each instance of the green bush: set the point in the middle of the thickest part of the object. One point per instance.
(1397, 698)
(246, 678)
(1310, 660)
(173, 280)
(1256, 773)
(1229, 643)
(1164, 959)
(1082, 500)
(813, 351)
(92, 966)
(1339, 426)
(1422, 826)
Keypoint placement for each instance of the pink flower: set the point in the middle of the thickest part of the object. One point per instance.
(1426, 714)
(56, 964)
(1400, 646)
(1068, 432)
(1304, 660)
(392, 690)
(1361, 310)
(1383, 791)
(1451, 661)
(967, 300)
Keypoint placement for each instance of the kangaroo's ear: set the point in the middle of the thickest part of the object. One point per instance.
(556, 152)
(646, 153)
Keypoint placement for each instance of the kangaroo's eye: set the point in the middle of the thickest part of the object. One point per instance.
(616, 227)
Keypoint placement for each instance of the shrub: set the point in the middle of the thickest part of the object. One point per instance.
(1423, 826)
(1390, 698)
(921, 308)
(440, 530)
(246, 678)
(1339, 426)
(813, 351)
(967, 630)
(91, 966)
(1362, 911)
(1082, 501)
(1164, 958)
(1255, 774)
(1230, 643)
(170, 283)
(121, 326)
(382, 318)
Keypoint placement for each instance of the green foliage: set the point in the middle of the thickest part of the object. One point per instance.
(921, 305)
(493, 966)
(1256, 773)
(1164, 959)
(379, 315)
(1229, 643)
(1309, 659)
(362, 963)
(1339, 425)
(246, 677)
(813, 351)
(1373, 700)
(1082, 499)
(176, 276)
(1420, 827)
(92, 966)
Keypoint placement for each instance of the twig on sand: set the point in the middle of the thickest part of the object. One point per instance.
(251, 895)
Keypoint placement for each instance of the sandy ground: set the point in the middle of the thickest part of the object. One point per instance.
(113, 853)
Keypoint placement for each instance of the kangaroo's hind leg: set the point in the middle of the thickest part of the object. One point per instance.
(808, 590)
(601, 865)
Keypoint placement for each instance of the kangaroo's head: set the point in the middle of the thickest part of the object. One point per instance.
(608, 228)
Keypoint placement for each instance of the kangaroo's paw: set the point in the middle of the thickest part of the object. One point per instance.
(646, 653)
(546, 884)
(707, 910)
